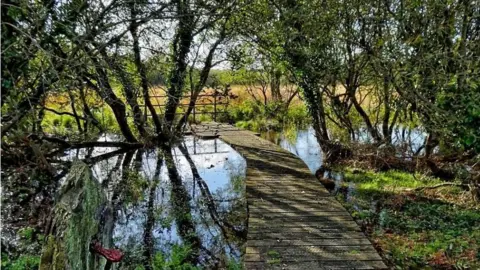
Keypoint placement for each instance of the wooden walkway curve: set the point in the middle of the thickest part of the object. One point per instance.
(294, 222)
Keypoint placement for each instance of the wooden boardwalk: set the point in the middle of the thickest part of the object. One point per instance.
(293, 221)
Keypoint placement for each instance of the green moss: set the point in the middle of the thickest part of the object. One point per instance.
(26, 233)
(76, 221)
(370, 181)
(273, 254)
(83, 225)
(274, 261)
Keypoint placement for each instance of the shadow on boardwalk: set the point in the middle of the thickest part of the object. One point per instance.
(294, 223)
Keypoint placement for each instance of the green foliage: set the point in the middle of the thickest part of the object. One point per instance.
(257, 117)
(389, 180)
(26, 233)
(177, 259)
(24, 262)
(241, 76)
(414, 230)
(26, 253)
(461, 128)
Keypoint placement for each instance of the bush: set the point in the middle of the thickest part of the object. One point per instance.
(56, 122)
(67, 122)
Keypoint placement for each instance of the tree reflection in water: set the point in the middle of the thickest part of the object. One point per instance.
(171, 207)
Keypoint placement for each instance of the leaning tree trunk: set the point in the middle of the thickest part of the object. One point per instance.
(129, 91)
(75, 223)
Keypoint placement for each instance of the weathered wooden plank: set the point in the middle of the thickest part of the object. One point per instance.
(269, 193)
(292, 207)
(319, 201)
(265, 219)
(273, 251)
(265, 214)
(346, 225)
(303, 229)
(294, 222)
(307, 242)
(286, 235)
(307, 256)
(317, 265)
(287, 183)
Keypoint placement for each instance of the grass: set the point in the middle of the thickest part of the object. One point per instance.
(253, 116)
(415, 230)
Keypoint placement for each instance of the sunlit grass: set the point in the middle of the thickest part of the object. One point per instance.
(414, 229)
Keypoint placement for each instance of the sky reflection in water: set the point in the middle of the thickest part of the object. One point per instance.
(213, 204)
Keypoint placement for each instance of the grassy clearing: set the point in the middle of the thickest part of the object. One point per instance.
(438, 229)
(256, 117)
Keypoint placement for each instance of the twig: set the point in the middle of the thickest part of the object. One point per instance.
(465, 186)
(63, 113)
(76, 145)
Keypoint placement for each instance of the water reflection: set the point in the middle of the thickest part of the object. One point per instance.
(407, 140)
(174, 207)
(303, 143)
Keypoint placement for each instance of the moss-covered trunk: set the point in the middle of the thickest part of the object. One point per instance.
(76, 222)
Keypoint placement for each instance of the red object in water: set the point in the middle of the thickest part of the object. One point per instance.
(112, 255)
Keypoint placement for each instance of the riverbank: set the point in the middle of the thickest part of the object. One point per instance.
(412, 227)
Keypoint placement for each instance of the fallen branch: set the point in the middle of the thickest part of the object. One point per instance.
(105, 144)
(64, 113)
(76, 145)
(90, 161)
(464, 186)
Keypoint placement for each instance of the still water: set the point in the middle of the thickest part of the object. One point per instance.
(186, 207)
(303, 143)
(191, 212)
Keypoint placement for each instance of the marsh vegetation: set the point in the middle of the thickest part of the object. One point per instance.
(381, 99)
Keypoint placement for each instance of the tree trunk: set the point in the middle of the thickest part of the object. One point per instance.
(106, 93)
(88, 114)
(275, 83)
(75, 223)
(371, 129)
(130, 93)
(141, 70)
(74, 111)
(181, 47)
(387, 136)
(202, 81)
